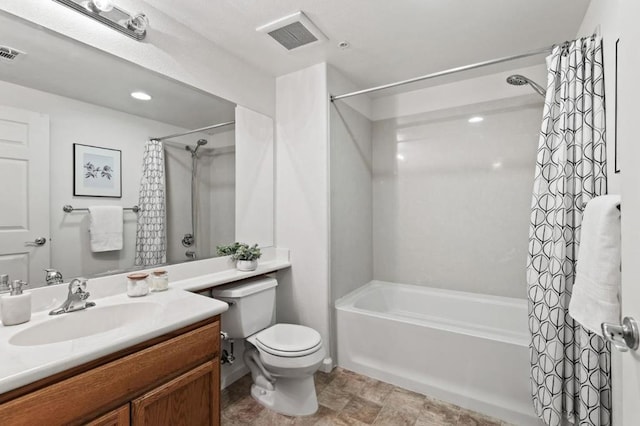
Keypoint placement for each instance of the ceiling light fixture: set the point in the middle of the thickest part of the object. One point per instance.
(476, 119)
(344, 45)
(105, 12)
(141, 96)
(100, 5)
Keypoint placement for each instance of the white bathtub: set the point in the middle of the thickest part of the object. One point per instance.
(465, 348)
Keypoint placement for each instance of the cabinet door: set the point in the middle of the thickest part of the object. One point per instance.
(117, 417)
(192, 399)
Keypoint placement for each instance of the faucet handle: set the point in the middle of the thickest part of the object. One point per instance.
(78, 286)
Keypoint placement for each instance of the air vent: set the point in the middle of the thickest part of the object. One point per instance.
(9, 54)
(293, 31)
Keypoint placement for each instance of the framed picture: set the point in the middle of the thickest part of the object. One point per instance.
(96, 171)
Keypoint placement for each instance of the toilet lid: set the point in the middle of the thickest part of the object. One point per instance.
(289, 340)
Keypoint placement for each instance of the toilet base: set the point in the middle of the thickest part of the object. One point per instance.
(291, 397)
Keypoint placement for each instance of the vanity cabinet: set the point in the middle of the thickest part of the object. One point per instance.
(186, 397)
(170, 380)
(118, 417)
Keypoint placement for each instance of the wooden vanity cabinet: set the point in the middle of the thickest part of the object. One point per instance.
(118, 417)
(170, 380)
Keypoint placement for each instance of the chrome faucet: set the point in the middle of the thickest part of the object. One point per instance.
(76, 299)
(53, 277)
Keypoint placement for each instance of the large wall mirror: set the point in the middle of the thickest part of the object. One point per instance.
(58, 92)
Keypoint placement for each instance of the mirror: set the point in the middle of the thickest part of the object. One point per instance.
(58, 92)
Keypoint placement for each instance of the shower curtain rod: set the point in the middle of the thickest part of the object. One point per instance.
(202, 129)
(443, 73)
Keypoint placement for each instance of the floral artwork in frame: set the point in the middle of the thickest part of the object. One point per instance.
(96, 171)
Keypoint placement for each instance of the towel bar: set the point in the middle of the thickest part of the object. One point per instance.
(69, 208)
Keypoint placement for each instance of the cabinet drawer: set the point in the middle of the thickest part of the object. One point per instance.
(82, 397)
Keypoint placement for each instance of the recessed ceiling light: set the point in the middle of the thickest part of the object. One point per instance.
(400, 157)
(476, 119)
(141, 96)
(344, 45)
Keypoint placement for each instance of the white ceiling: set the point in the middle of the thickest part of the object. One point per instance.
(390, 40)
(56, 64)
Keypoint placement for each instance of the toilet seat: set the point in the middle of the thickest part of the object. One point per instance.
(288, 340)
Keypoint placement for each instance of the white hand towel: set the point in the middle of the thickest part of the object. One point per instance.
(594, 298)
(106, 228)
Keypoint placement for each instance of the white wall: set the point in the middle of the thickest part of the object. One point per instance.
(72, 122)
(351, 194)
(170, 48)
(302, 197)
(451, 199)
(255, 177)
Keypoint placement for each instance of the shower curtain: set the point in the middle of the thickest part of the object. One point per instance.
(151, 235)
(570, 366)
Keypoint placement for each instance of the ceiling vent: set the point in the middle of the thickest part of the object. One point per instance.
(293, 31)
(9, 54)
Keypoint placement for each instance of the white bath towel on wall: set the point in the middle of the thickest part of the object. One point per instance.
(594, 298)
(106, 228)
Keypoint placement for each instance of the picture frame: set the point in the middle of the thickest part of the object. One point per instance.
(97, 172)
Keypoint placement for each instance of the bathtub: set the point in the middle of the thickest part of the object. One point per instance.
(465, 348)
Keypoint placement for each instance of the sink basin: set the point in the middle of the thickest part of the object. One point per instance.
(75, 325)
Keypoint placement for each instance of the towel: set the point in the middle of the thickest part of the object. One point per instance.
(106, 228)
(594, 298)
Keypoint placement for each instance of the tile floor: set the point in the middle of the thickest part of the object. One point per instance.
(347, 398)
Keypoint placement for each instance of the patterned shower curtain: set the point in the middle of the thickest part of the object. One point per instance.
(570, 366)
(151, 235)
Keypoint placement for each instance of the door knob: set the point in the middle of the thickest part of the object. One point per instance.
(624, 336)
(40, 241)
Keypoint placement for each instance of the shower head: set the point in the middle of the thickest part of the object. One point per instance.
(520, 80)
(194, 151)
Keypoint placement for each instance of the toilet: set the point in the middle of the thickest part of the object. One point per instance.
(282, 358)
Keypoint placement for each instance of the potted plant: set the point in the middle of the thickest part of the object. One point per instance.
(245, 256)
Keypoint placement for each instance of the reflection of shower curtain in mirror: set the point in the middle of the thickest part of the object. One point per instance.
(151, 235)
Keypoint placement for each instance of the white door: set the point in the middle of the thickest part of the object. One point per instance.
(629, 145)
(24, 194)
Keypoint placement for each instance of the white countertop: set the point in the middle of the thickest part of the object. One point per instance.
(21, 365)
(177, 307)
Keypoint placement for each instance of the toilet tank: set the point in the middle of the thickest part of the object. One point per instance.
(252, 306)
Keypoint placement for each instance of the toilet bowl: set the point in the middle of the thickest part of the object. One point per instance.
(282, 358)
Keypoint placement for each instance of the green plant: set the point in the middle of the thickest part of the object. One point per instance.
(228, 249)
(240, 251)
(244, 252)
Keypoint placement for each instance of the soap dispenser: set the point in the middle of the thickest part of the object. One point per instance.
(15, 308)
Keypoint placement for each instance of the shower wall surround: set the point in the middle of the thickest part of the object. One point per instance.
(216, 195)
(451, 199)
(351, 196)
